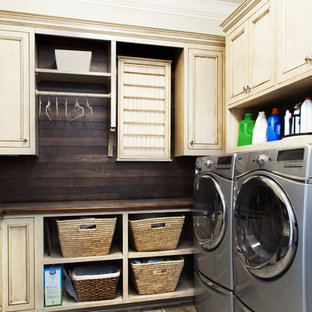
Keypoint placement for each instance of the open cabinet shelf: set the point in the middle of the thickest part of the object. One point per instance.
(44, 74)
(121, 253)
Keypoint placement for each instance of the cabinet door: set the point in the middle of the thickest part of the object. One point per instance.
(205, 100)
(18, 264)
(237, 63)
(294, 38)
(16, 133)
(262, 49)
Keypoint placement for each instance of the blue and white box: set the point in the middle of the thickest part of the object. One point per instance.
(52, 286)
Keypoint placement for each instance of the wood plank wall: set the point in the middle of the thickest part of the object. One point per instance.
(72, 162)
(73, 165)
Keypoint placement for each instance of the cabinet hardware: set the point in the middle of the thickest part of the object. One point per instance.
(25, 140)
(245, 89)
(308, 59)
(192, 142)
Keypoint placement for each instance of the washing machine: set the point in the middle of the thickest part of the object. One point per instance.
(212, 215)
(272, 229)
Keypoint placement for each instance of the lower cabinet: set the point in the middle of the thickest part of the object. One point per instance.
(35, 243)
(18, 266)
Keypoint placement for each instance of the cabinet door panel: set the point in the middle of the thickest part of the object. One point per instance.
(262, 51)
(14, 89)
(238, 63)
(293, 41)
(19, 264)
(205, 122)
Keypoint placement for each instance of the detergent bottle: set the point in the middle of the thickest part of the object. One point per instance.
(274, 126)
(245, 132)
(287, 122)
(260, 129)
(306, 116)
(295, 126)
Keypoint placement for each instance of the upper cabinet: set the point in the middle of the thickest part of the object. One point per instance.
(199, 101)
(250, 61)
(294, 38)
(17, 107)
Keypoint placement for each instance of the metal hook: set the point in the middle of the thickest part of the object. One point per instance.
(90, 109)
(56, 106)
(48, 108)
(40, 105)
(77, 107)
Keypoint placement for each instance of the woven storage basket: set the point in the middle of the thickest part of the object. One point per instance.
(156, 233)
(96, 287)
(86, 237)
(157, 277)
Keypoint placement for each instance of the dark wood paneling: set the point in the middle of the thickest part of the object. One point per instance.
(73, 165)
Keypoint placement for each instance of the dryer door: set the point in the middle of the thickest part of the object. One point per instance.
(265, 227)
(209, 215)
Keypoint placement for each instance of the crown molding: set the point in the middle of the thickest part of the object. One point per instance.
(39, 21)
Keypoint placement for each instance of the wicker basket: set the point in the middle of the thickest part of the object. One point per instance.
(99, 286)
(156, 277)
(86, 237)
(156, 233)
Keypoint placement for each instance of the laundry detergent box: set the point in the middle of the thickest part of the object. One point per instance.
(52, 286)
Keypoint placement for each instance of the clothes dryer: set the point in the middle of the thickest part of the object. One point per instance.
(212, 216)
(272, 230)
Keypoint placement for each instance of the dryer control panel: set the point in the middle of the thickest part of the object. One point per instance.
(292, 162)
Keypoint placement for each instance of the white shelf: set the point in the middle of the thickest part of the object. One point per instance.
(184, 248)
(57, 75)
(284, 143)
(69, 303)
(56, 257)
(185, 288)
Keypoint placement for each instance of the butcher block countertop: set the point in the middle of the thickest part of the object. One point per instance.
(93, 206)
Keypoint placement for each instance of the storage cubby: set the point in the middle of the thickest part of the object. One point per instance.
(121, 253)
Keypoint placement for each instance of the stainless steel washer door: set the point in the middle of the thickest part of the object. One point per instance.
(265, 227)
(209, 215)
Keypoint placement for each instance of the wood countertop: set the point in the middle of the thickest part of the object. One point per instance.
(93, 206)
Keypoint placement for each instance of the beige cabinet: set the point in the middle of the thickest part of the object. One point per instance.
(199, 101)
(250, 56)
(294, 38)
(18, 264)
(17, 107)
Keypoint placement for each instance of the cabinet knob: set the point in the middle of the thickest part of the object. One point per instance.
(308, 58)
(248, 88)
(192, 142)
(245, 89)
(25, 140)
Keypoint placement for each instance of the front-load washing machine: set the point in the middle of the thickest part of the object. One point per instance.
(272, 229)
(212, 216)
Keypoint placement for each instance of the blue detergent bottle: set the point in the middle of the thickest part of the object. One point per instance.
(274, 126)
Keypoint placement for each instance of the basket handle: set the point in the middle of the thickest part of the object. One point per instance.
(158, 225)
(159, 271)
(87, 227)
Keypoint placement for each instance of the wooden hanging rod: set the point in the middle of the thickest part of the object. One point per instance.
(73, 94)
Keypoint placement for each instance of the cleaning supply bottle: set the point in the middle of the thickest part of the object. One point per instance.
(274, 126)
(246, 127)
(260, 129)
(287, 122)
(306, 116)
(295, 127)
